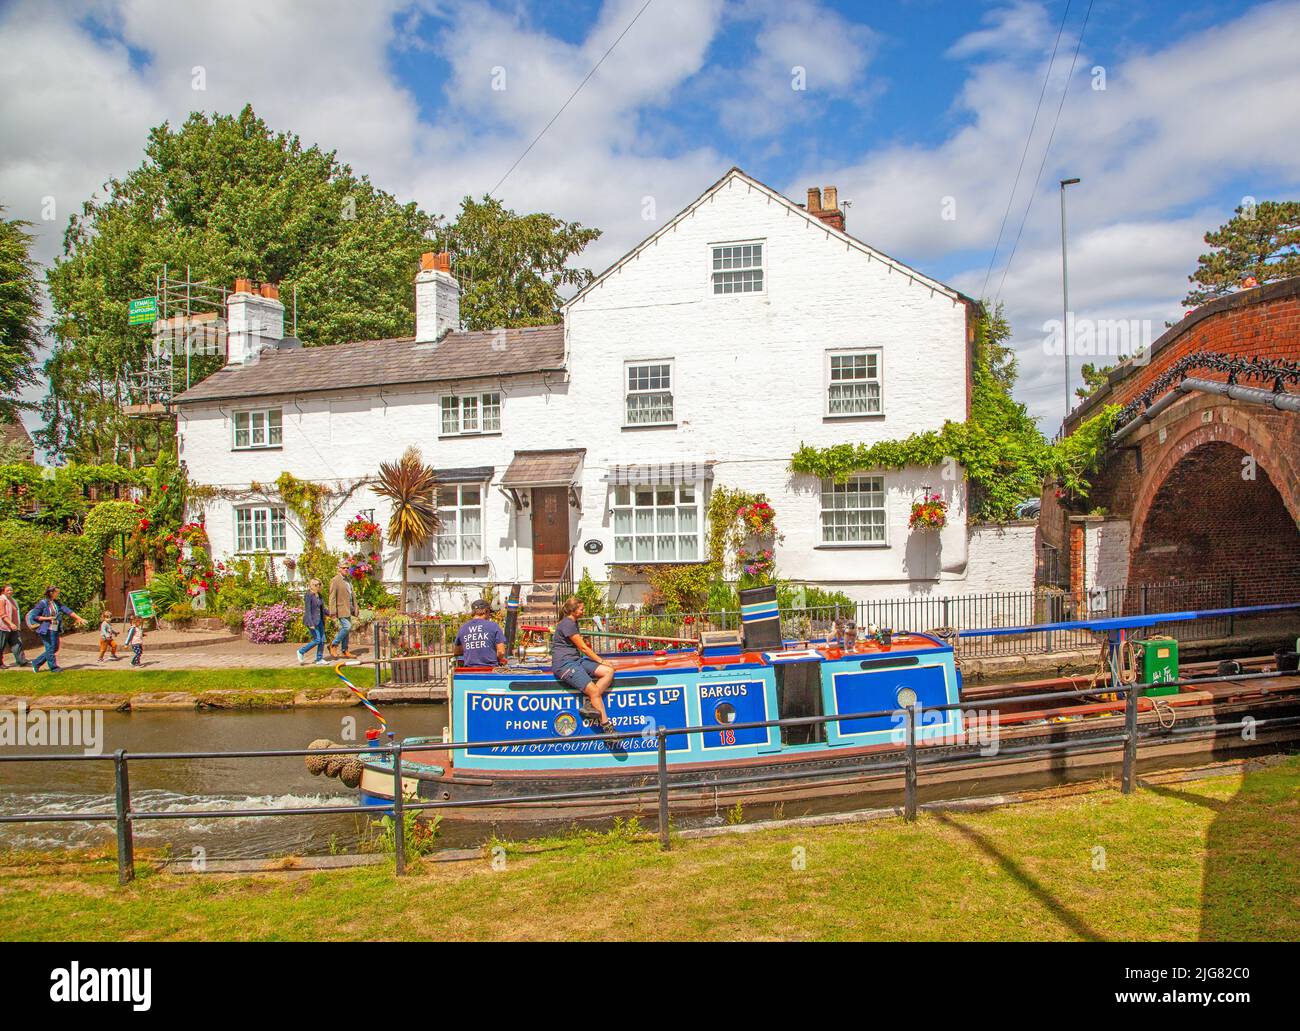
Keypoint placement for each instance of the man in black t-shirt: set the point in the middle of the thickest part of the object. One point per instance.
(574, 665)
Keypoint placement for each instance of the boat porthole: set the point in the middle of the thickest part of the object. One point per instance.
(725, 712)
(906, 697)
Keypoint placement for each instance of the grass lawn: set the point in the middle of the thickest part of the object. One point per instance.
(1215, 859)
(127, 681)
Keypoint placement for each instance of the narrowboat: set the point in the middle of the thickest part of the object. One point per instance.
(528, 740)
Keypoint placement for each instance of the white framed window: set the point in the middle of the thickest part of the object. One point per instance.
(658, 523)
(261, 528)
(649, 393)
(471, 413)
(853, 382)
(258, 427)
(459, 540)
(853, 512)
(737, 268)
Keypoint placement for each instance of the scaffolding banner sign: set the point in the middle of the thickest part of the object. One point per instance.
(142, 310)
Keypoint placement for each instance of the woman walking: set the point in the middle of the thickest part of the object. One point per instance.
(313, 618)
(46, 618)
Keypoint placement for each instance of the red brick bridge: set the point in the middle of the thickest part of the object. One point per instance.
(1202, 479)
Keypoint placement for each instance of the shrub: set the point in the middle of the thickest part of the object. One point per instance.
(165, 591)
(180, 615)
(270, 625)
(32, 559)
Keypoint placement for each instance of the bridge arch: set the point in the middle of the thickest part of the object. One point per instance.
(1221, 499)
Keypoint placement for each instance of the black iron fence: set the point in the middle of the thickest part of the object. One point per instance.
(412, 651)
(912, 762)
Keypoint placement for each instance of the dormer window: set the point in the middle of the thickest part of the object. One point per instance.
(738, 268)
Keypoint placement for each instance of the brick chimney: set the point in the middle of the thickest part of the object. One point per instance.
(824, 202)
(254, 319)
(437, 298)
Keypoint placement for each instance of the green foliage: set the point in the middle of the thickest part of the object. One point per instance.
(1094, 378)
(247, 585)
(229, 197)
(180, 615)
(166, 592)
(805, 596)
(33, 558)
(56, 497)
(20, 314)
(679, 588)
(591, 594)
(372, 594)
(1263, 244)
(420, 832)
(108, 519)
(513, 269)
(168, 488)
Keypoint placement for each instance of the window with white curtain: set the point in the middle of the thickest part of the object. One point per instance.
(471, 413)
(853, 383)
(853, 512)
(459, 540)
(649, 393)
(260, 528)
(657, 523)
(259, 427)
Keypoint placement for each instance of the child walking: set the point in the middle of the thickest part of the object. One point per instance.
(107, 636)
(135, 640)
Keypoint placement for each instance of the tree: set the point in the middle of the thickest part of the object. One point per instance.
(20, 312)
(226, 196)
(512, 268)
(412, 488)
(1094, 378)
(1262, 243)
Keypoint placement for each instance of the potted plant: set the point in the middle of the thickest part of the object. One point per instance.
(930, 513)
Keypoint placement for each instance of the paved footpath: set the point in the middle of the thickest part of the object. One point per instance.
(207, 650)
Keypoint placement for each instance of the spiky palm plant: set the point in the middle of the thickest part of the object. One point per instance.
(412, 488)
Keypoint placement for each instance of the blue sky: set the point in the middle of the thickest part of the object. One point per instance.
(911, 109)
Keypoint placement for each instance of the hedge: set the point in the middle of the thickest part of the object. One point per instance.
(33, 559)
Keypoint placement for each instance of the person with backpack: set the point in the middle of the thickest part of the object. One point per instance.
(46, 618)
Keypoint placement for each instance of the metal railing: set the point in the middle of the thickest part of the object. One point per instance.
(912, 763)
(411, 651)
(993, 610)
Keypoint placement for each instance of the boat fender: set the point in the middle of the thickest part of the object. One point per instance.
(350, 774)
(334, 765)
(316, 763)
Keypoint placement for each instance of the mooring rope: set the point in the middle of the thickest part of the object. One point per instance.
(338, 671)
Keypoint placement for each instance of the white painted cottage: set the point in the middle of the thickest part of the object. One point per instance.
(745, 326)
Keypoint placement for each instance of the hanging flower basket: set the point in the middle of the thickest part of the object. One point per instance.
(360, 530)
(931, 513)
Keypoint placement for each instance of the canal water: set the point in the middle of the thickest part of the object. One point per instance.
(179, 786)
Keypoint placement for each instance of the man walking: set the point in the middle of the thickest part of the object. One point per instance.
(11, 628)
(343, 607)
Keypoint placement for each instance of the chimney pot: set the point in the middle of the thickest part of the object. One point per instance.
(814, 200)
(243, 286)
(271, 291)
(426, 261)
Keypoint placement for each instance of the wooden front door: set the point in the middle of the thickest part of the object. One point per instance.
(550, 533)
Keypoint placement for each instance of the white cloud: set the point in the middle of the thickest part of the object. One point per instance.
(1173, 127)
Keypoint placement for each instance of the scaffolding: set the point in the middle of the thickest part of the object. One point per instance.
(190, 323)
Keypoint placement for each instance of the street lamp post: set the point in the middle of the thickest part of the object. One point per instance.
(1065, 298)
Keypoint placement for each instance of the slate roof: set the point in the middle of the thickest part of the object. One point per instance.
(378, 363)
(557, 467)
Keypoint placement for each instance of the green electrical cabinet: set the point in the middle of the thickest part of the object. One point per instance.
(1159, 665)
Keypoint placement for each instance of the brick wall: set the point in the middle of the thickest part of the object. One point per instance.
(1211, 485)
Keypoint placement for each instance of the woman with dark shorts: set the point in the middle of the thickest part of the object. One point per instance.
(576, 666)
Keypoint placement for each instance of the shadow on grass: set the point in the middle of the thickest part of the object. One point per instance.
(1016, 872)
(1252, 856)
